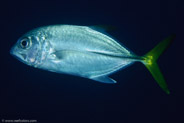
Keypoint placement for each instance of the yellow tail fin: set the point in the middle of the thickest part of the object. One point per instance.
(150, 61)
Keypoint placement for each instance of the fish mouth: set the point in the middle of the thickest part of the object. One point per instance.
(19, 56)
(12, 51)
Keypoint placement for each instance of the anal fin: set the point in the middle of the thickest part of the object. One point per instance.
(103, 79)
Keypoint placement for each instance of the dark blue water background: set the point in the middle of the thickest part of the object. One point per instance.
(29, 93)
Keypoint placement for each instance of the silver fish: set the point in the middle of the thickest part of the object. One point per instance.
(82, 51)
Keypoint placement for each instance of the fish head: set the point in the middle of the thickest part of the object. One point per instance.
(28, 49)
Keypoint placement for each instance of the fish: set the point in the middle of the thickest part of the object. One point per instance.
(85, 51)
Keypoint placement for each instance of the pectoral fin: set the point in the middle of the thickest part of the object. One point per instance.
(103, 79)
(60, 54)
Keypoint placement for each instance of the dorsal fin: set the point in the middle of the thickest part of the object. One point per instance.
(102, 28)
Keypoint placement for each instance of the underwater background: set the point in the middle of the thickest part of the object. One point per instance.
(34, 94)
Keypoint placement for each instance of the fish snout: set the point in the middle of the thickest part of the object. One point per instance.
(12, 50)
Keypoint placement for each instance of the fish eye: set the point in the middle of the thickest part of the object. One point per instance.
(24, 43)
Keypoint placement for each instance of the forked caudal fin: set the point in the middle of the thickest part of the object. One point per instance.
(150, 61)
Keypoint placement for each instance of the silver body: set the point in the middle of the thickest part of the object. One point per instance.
(77, 50)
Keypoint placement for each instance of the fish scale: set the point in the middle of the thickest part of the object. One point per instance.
(87, 38)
